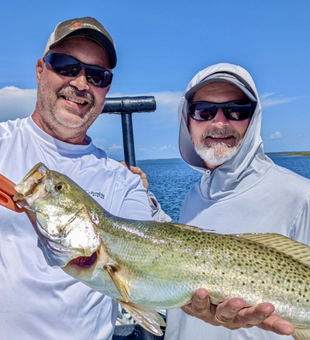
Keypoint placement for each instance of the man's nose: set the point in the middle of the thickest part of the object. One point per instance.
(220, 118)
(80, 80)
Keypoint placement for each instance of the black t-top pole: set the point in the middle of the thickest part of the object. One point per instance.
(125, 106)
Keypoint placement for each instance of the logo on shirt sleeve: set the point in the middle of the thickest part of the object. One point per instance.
(96, 194)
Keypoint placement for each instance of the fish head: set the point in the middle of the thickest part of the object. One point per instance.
(64, 220)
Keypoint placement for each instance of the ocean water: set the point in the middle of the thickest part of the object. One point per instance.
(170, 179)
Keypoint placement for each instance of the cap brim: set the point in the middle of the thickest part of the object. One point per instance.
(221, 77)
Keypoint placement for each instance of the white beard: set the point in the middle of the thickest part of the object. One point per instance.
(217, 153)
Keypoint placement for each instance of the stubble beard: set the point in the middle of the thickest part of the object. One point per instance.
(67, 118)
(217, 153)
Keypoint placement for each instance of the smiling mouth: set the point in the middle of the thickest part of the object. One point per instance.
(220, 138)
(76, 101)
(85, 261)
(228, 141)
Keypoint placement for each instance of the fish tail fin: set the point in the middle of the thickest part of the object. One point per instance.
(301, 334)
(146, 317)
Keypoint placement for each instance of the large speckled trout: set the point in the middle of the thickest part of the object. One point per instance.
(146, 265)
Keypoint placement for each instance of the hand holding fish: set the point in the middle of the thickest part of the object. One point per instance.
(234, 314)
(138, 171)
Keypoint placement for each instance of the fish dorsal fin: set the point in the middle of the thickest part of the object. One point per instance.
(297, 250)
(188, 227)
(112, 268)
(146, 317)
(301, 334)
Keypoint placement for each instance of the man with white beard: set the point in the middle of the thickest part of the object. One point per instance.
(241, 191)
(218, 139)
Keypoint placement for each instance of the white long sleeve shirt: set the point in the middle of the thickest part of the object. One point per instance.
(42, 302)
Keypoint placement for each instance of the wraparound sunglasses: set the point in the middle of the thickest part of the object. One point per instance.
(71, 67)
(234, 110)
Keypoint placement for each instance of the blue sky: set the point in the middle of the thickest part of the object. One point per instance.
(161, 45)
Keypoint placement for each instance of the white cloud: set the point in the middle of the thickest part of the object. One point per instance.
(169, 100)
(268, 99)
(16, 103)
(167, 147)
(276, 135)
(116, 147)
(140, 148)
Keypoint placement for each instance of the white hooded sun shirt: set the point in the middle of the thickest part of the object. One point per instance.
(247, 194)
(42, 302)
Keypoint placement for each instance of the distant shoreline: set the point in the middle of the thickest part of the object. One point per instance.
(299, 153)
(283, 153)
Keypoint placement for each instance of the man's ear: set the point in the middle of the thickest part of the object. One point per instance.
(39, 68)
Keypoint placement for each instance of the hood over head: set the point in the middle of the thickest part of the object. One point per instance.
(233, 170)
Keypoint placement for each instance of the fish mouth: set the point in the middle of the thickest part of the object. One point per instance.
(31, 187)
(85, 261)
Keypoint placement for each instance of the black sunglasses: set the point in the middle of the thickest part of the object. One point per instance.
(234, 110)
(71, 67)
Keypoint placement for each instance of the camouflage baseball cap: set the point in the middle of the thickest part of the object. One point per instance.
(85, 27)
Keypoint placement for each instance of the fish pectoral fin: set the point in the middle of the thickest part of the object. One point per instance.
(112, 269)
(146, 317)
(301, 334)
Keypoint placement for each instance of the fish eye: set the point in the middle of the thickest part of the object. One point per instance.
(60, 187)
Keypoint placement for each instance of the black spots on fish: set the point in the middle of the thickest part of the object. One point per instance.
(155, 260)
(303, 295)
(195, 241)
